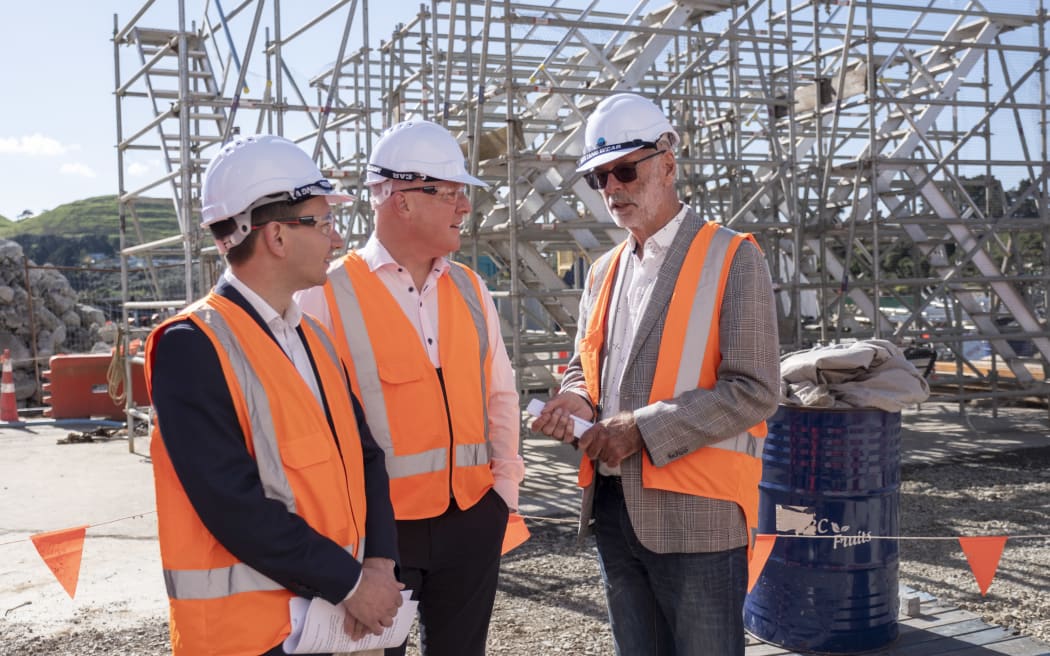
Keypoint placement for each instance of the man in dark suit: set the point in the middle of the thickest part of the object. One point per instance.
(677, 361)
(267, 477)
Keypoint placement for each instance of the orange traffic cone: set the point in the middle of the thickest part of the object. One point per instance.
(8, 405)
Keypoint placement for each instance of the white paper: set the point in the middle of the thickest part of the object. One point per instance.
(579, 426)
(317, 626)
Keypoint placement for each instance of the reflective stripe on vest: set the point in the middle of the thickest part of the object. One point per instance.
(371, 386)
(264, 440)
(701, 318)
(225, 581)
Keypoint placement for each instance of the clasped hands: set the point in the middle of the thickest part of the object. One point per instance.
(609, 441)
(374, 603)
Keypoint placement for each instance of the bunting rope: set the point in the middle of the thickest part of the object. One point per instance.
(552, 520)
(558, 520)
(867, 537)
(108, 521)
(61, 550)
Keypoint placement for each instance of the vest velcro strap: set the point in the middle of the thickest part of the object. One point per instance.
(427, 462)
(263, 433)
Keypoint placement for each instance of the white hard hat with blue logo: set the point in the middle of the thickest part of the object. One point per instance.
(250, 171)
(622, 124)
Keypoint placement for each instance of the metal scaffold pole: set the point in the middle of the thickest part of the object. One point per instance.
(884, 154)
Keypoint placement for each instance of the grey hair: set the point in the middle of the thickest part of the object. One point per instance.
(668, 141)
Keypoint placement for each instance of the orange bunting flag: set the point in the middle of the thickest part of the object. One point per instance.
(516, 533)
(61, 551)
(759, 555)
(983, 554)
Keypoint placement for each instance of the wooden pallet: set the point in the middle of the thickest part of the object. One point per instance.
(984, 366)
(938, 629)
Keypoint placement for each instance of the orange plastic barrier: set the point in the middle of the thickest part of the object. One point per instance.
(78, 389)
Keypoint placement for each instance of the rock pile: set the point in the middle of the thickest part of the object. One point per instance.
(59, 321)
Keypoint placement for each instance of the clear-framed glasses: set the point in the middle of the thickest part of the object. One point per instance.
(626, 172)
(324, 224)
(450, 196)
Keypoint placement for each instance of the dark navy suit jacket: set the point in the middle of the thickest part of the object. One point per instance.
(207, 449)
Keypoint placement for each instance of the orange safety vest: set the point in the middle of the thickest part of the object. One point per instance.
(219, 605)
(688, 359)
(409, 413)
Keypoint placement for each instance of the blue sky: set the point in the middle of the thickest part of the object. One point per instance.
(57, 111)
(56, 118)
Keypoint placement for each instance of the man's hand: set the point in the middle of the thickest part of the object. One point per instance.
(611, 440)
(374, 603)
(556, 420)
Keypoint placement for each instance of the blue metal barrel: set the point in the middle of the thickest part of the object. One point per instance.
(831, 476)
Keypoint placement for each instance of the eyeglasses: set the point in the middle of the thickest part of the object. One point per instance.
(449, 196)
(626, 172)
(325, 224)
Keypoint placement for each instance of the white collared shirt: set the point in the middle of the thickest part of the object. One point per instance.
(283, 329)
(636, 277)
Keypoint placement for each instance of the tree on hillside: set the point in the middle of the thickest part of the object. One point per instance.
(1026, 195)
(25, 214)
(61, 250)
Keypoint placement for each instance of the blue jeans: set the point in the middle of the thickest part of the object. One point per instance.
(677, 604)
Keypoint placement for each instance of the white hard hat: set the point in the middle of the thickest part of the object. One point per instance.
(418, 150)
(253, 168)
(622, 124)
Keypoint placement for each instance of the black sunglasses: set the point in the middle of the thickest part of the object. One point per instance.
(626, 172)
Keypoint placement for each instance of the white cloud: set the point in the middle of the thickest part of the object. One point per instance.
(76, 168)
(137, 169)
(35, 145)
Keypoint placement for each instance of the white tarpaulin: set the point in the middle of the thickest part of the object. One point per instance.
(867, 374)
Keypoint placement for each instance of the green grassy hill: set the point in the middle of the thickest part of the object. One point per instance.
(87, 230)
(96, 217)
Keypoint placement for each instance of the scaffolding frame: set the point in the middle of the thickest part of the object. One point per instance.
(847, 136)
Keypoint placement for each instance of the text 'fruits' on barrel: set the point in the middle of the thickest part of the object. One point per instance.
(829, 491)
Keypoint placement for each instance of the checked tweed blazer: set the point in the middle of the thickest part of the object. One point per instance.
(746, 393)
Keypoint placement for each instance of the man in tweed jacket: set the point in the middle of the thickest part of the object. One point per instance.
(674, 563)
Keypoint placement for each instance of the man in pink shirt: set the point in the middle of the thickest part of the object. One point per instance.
(420, 335)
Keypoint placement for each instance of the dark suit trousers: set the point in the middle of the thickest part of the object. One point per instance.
(451, 564)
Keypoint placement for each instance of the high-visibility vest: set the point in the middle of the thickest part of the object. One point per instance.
(436, 437)
(219, 605)
(688, 359)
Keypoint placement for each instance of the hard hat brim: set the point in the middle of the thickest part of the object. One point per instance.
(466, 178)
(332, 198)
(605, 158)
(336, 199)
(462, 178)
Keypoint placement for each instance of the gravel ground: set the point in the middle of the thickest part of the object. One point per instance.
(551, 602)
(991, 494)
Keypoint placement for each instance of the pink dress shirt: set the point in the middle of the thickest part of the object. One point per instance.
(421, 308)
